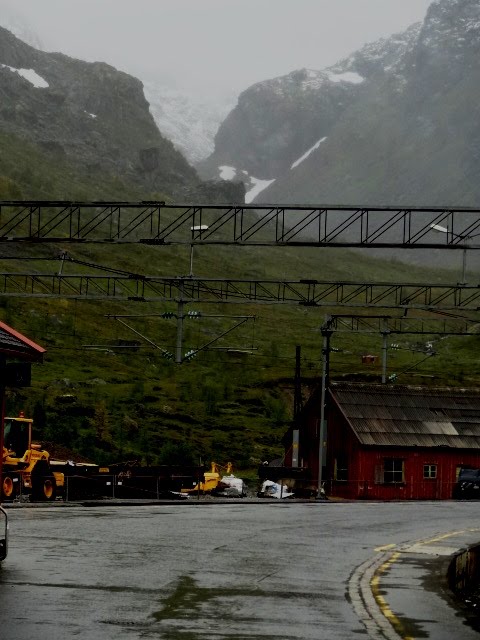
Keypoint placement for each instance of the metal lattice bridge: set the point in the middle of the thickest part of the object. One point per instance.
(262, 225)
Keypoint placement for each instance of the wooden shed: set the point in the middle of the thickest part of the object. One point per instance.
(391, 442)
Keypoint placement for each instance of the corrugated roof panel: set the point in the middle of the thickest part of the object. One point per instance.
(411, 426)
(367, 426)
(466, 430)
(445, 428)
(354, 410)
(384, 415)
(367, 439)
(419, 440)
(470, 427)
(396, 413)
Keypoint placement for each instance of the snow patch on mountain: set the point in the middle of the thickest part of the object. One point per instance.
(308, 152)
(30, 75)
(258, 187)
(253, 185)
(227, 173)
(189, 122)
(348, 76)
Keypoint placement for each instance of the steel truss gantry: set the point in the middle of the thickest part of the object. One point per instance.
(309, 293)
(449, 324)
(261, 225)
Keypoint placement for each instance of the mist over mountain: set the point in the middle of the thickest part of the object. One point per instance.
(395, 122)
(189, 121)
(95, 118)
(17, 24)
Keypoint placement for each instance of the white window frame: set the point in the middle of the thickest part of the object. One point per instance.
(430, 471)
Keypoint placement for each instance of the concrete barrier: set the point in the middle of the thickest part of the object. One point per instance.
(464, 571)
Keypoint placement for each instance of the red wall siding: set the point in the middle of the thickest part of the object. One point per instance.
(364, 462)
(364, 484)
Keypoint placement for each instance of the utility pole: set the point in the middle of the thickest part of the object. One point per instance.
(180, 308)
(326, 333)
(385, 334)
(297, 407)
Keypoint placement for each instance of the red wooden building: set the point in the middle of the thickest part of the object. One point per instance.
(391, 442)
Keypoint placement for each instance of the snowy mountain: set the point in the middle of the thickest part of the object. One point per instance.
(278, 123)
(396, 122)
(188, 121)
(93, 119)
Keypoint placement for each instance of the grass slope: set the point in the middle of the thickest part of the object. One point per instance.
(109, 403)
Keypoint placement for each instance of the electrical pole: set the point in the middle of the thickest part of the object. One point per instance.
(180, 307)
(385, 334)
(297, 407)
(326, 333)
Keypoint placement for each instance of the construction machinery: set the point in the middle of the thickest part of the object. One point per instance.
(217, 484)
(26, 468)
(29, 471)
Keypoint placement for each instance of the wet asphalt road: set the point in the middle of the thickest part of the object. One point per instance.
(214, 571)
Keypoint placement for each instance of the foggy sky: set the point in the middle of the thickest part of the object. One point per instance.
(217, 46)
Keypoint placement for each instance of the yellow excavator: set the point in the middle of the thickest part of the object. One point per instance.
(217, 484)
(26, 466)
(211, 479)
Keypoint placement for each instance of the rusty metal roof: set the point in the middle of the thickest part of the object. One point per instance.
(404, 416)
(15, 345)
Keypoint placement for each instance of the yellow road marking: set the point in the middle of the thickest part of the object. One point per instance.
(375, 581)
(385, 547)
(446, 535)
(380, 600)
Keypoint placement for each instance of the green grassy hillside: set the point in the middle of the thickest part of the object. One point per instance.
(107, 401)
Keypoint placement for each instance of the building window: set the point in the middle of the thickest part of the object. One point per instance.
(430, 471)
(393, 471)
(341, 470)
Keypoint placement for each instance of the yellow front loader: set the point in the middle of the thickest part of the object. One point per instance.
(26, 466)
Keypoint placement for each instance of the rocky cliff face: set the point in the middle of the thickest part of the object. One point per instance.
(277, 122)
(93, 115)
(396, 122)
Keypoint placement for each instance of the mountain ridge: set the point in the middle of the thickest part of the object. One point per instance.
(97, 118)
(407, 133)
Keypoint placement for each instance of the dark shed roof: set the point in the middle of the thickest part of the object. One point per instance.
(15, 345)
(402, 416)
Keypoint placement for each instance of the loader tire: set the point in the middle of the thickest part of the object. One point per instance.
(8, 488)
(44, 489)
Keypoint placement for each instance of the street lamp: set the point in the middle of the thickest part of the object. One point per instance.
(438, 227)
(200, 228)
